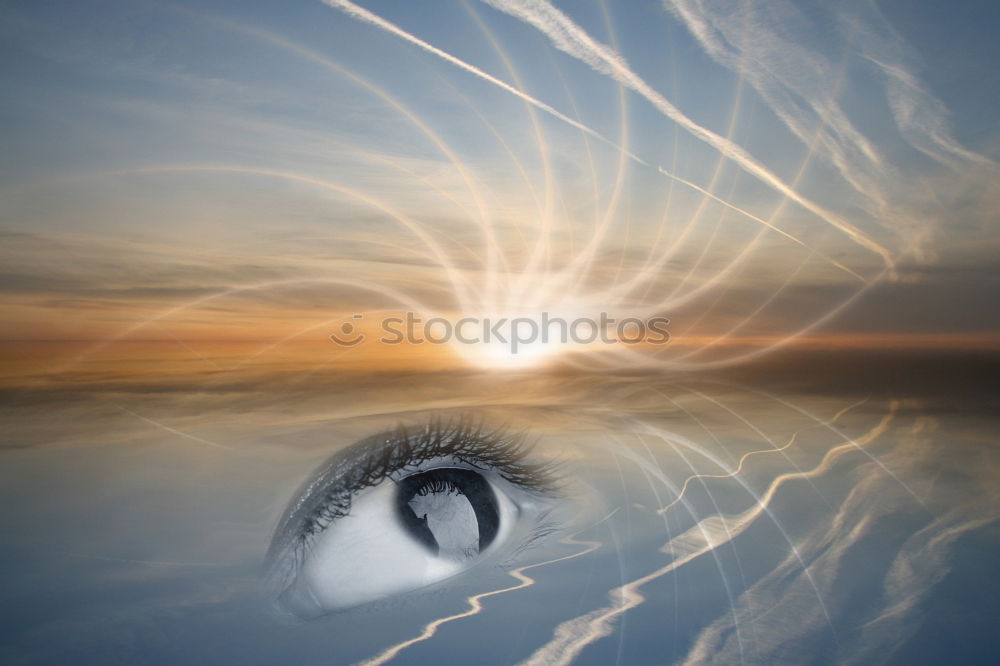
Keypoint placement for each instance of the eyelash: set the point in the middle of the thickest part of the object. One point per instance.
(327, 497)
(439, 487)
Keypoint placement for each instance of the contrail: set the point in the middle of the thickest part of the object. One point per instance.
(570, 38)
(757, 218)
(175, 431)
(494, 255)
(783, 71)
(363, 14)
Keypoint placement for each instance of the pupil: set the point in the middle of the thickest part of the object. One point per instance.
(451, 511)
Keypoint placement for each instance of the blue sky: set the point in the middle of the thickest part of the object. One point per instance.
(732, 163)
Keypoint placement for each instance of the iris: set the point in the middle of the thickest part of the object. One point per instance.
(452, 511)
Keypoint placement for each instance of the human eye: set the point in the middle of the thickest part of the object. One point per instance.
(406, 509)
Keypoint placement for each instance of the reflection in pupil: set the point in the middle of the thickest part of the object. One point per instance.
(453, 512)
(450, 519)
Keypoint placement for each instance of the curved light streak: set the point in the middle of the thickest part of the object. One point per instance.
(475, 601)
(572, 636)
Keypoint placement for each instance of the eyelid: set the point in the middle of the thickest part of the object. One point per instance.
(327, 496)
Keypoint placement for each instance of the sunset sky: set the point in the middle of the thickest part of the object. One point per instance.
(205, 174)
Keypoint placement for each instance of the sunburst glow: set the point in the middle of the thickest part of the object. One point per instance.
(502, 331)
